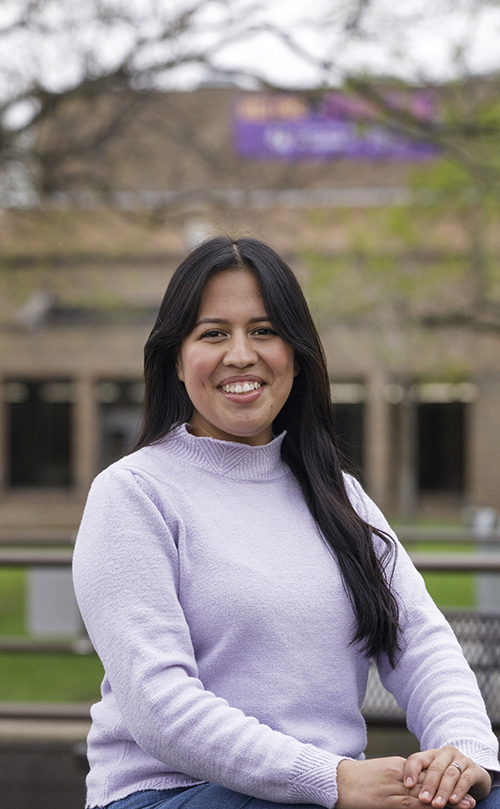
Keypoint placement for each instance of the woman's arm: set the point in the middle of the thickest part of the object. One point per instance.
(433, 683)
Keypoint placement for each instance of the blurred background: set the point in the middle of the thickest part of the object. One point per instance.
(361, 139)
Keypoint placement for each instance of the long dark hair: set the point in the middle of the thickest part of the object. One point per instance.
(309, 447)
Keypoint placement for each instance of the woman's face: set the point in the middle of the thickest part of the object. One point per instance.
(238, 373)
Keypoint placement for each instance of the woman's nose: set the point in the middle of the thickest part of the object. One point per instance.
(240, 352)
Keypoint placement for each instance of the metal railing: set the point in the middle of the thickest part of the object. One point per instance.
(411, 534)
(423, 561)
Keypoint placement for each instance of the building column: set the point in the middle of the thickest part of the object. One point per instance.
(85, 434)
(483, 482)
(3, 438)
(377, 440)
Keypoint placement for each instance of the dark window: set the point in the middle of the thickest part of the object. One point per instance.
(120, 408)
(441, 446)
(39, 415)
(348, 421)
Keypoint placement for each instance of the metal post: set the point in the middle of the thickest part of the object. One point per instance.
(409, 457)
(487, 584)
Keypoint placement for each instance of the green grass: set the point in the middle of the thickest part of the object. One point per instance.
(49, 677)
(12, 601)
(450, 590)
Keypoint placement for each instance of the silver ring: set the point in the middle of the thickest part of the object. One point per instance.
(457, 766)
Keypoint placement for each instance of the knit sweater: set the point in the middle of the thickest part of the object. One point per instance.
(225, 632)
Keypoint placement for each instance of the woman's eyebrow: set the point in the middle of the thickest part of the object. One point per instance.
(223, 321)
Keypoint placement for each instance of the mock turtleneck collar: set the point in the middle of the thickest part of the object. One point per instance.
(228, 458)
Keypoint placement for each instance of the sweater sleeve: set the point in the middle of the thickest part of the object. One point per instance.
(127, 576)
(432, 680)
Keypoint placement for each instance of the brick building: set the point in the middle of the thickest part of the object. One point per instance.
(417, 404)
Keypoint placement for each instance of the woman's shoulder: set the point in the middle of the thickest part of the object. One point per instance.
(148, 481)
(153, 462)
(364, 506)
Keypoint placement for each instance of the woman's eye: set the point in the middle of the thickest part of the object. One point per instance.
(263, 331)
(213, 333)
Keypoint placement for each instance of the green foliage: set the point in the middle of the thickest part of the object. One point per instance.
(442, 182)
(372, 285)
(449, 370)
(401, 223)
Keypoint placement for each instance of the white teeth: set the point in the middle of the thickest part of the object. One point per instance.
(245, 388)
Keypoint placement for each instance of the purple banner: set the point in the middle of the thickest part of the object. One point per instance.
(284, 127)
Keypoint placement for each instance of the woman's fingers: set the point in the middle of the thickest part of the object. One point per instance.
(414, 765)
(449, 777)
(466, 803)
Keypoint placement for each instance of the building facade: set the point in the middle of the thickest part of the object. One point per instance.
(416, 393)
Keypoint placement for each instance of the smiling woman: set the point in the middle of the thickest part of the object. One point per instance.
(235, 582)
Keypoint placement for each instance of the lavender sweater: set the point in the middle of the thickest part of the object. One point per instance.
(225, 632)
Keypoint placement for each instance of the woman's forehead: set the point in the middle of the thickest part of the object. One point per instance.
(231, 288)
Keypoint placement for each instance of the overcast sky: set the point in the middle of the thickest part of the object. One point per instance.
(415, 38)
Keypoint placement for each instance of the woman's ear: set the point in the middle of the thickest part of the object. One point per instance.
(296, 367)
(179, 369)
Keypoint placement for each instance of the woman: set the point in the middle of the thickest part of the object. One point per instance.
(236, 584)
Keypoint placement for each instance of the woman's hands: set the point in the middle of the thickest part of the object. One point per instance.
(375, 783)
(445, 782)
(429, 778)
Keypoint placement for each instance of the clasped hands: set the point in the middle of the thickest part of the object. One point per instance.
(431, 778)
